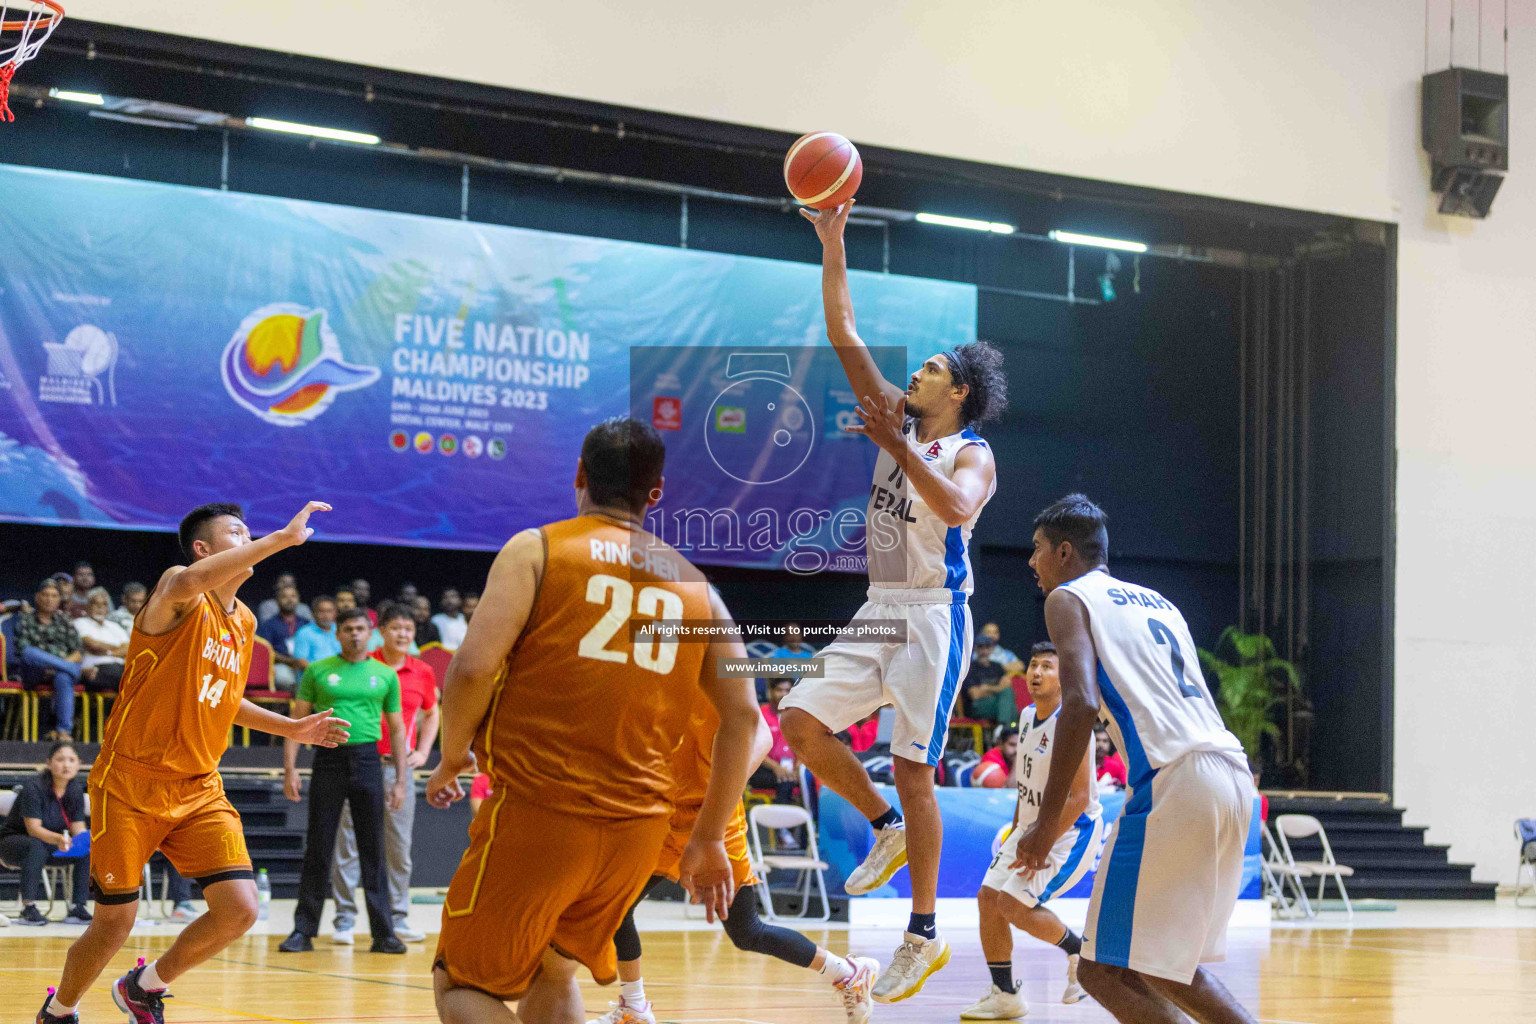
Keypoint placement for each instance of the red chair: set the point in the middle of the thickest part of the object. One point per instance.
(1021, 695)
(18, 701)
(438, 656)
(258, 686)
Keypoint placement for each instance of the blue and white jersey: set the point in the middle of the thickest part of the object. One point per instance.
(909, 547)
(1032, 767)
(1154, 699)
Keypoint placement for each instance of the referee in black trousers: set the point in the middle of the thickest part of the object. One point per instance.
(365, 692)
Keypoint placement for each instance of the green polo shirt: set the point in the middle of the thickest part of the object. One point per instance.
(360, 692)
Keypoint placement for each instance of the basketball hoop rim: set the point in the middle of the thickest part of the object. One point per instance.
(43, 20)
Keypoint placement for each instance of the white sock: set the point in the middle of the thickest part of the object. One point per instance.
(632, 993)
(149, 980)
(835, 969)
(58, 1009)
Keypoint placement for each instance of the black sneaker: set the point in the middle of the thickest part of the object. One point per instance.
(78, 915)
(388, 944)
(298, 942)
(44, 1017)
(31, 916)
(143, 1006)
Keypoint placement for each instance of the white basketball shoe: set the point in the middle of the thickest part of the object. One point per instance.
(915, 961)
(996, 1005)
(888, 856)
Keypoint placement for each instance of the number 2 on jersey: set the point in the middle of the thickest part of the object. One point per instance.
(654, 655)
(1163, 635)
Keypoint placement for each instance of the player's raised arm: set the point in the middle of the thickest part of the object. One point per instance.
(230, 564)
(471, 681)
(954, 498)
(705, 870)
(1066, 619)
(860, 367)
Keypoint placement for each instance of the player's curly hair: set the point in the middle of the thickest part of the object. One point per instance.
(980, 365)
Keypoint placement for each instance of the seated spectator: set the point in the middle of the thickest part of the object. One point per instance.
(66, 584)
(1107, 763)
(779, 770)
(1000, 654)
(51, 654)
(346, 600)
(47, 815)
(1258, 770)
(406, 595)
(450, 622)
(996, 766)
(317, 639)
(988, 696)
(794, 645)
(426, 629)
(84, 581)
(471, 602)
(363, 593)
(134, 596)
(279, 631)
(268, 608)
(104, 642)
(862, 735)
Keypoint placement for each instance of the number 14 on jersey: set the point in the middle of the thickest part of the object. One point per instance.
(212, 691)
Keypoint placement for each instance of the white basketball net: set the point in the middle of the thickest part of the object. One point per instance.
(24, 27)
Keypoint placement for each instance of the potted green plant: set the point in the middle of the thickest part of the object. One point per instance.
(1249, 682)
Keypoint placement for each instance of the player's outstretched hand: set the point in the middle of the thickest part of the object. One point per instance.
(323, 729)
(705, 871)
(443, 787)
(1034, 849)
(829, 223)
(884, 421)
(298, 529)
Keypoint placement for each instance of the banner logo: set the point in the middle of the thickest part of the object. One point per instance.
(81, 370)
(284, 364)
(667, 413)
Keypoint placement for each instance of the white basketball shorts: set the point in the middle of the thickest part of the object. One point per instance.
(919, 678)
(1073, 856)
(1169, 879)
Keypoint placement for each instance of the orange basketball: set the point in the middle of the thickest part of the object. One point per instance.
(822, 170)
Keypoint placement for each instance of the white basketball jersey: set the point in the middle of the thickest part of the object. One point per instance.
(1154, 699)
(1032, 766)
(908, 546)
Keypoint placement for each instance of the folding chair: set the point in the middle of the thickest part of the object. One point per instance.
(1525, 831)
(1300, 826)
(1276, 871)
(808, 862)
(19, 700)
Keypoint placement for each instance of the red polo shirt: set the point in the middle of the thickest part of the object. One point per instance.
(418, 692)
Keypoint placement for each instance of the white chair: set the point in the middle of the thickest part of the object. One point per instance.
(808, 862)
(1277, 871)
(1525, 874)
(1300, 826)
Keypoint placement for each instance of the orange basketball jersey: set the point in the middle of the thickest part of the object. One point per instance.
(585, 720)
(180, 693)
(689, 763)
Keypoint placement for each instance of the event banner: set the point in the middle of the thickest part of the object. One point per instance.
(164, 346)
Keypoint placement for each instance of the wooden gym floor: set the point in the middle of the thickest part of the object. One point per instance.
(1288, 976)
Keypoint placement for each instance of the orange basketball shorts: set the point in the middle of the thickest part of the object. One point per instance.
(681, 827)
(534, 879)
(191, 821)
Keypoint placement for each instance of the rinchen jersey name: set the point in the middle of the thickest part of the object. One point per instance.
(221, 653)
(612, 552)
